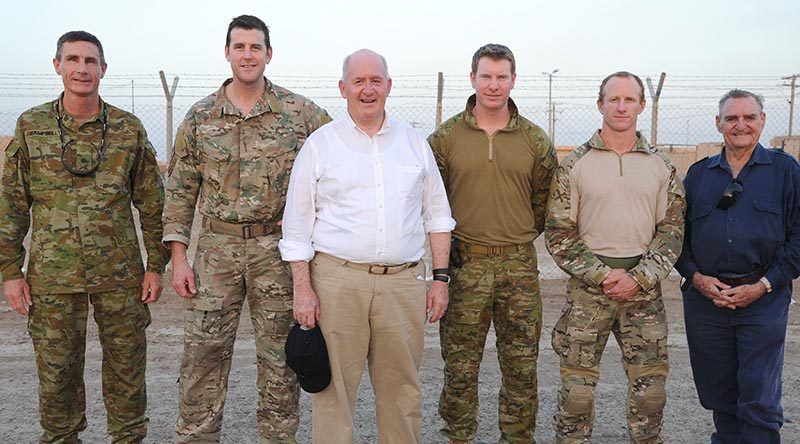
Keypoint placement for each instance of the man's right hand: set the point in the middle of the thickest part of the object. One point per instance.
(183, 278)
(711, 288)
(305, 306)
(18, 294)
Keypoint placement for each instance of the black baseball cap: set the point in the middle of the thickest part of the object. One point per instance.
(307, 355)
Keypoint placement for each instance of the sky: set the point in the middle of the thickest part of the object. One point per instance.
(310, 38)
(705, 46)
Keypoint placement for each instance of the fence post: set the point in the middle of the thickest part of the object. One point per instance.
(791, 101)
(169, 93)
(439, 94)
(655, 96)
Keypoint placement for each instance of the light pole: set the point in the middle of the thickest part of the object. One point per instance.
(550, 117)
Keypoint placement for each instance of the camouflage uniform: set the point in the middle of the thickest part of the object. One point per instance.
(588, 316)
(84, 243)
(498, 281)
(239, 168)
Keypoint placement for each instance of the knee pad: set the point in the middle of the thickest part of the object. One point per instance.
(579, 400)
(652, 400)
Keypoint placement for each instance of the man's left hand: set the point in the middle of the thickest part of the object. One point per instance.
(744, 295)
(151, 287)
(620, 286)
(437, 301)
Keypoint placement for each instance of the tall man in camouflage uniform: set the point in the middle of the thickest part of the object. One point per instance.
(77, 163)
(235, 150)
(615, 225)
(497, 168)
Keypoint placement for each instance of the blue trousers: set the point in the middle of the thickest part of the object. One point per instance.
(737, 360)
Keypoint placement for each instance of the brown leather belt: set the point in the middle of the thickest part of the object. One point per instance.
(372, 268)
(740, 279)
(493, 250)
(245, 231)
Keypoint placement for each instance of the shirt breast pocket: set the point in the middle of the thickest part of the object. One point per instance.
(408, 180)
(215, 164)
(768, 218)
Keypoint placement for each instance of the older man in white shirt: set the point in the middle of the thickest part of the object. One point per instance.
(363, 193)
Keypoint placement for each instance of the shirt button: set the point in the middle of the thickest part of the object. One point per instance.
(730, 219)
(730, 240)
(380, 229)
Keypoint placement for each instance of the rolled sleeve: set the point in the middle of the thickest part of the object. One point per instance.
(300, 212)
(436, 214)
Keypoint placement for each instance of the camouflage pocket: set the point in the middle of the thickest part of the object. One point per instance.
(280, 160)
(581, 346)
(215, 164)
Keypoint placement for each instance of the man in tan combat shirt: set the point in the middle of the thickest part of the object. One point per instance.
(73, 169)
(234, 151)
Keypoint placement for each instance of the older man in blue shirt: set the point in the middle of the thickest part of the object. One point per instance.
(741, 252)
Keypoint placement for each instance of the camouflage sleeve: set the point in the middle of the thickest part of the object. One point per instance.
(569, 252)
(542, 176)
(147, 192)
(15, 201)
(664, 249)
(438, 142)
(315, 118)
(183, 184)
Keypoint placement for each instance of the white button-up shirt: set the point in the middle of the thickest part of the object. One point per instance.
(364, 199)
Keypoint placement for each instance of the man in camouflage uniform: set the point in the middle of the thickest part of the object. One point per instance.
(77, 163)
(615, 225)
(497, 168)
(234, 151)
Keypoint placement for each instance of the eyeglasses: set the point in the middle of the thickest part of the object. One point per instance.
(729, 195)
(69, 149)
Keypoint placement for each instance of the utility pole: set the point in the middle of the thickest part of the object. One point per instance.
(169, 93)
(550, 110)
(133, 103)
(655, 95)
(793, 78)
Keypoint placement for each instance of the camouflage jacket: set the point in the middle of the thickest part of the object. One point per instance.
(571, 252)
(237, 165)
(497, 184)
(83, 233)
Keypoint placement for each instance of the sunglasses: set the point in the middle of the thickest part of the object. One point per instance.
(728, 197)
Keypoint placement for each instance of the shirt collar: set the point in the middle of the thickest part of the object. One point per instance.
(469, 115)
(268, 102)
(69, 120)
(760, 156)
(385, 127)
(641, 144)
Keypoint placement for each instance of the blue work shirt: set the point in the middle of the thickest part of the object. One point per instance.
(759, 231)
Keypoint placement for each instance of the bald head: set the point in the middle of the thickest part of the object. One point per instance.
(364, 55)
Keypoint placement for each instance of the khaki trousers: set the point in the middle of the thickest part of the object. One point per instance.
(379, 319)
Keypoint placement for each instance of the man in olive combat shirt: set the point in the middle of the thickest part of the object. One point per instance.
(497, 167)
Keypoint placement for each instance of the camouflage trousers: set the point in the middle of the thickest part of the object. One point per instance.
(228, 270)
(505, 290)
(579, 338)
(57, 325)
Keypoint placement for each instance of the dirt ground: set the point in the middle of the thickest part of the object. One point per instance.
(685, 421)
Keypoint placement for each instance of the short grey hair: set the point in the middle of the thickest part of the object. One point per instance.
(741, 94)
(346, 63)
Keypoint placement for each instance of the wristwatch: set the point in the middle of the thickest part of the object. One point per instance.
(764, 281)
(442, 277)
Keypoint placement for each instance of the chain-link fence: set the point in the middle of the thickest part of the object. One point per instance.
(686, 108)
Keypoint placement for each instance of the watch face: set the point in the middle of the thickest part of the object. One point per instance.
(442, 277)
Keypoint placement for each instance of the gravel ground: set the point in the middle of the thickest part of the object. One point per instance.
(685, 421)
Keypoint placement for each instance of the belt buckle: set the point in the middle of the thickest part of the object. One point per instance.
(247, 231)
(495, 250)
(384, 267)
